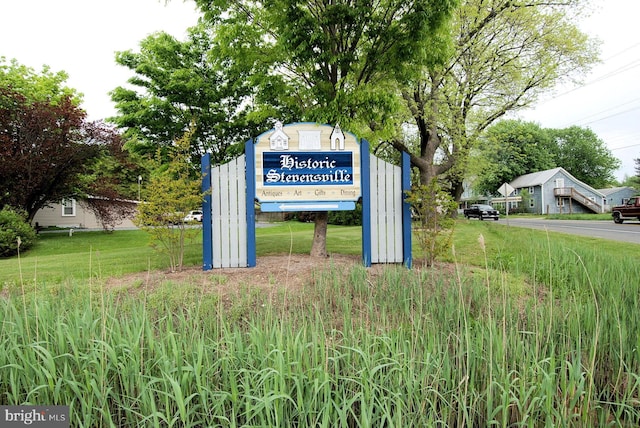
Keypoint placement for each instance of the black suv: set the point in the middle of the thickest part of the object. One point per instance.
(481, 211)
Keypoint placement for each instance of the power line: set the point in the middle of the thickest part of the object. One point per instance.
(622, 51)
(622, 69)
(626, 67)
(608, 117)
(625, 147)
(625, 137)
(609, 109)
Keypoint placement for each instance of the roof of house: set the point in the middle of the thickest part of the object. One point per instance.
(541, 177)
(535, 178)
(612, 190)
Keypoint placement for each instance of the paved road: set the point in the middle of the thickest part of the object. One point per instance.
(629, 231)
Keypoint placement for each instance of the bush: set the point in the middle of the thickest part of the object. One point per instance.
(347, 218)
(338, 218)
(435, 209)
(170, 194)
(301, 216)
(14, 231)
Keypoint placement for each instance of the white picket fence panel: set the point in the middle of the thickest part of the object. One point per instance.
(386, 212)
(229, 214)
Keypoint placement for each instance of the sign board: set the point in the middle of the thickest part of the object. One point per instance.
(506, 189)
(304, 167)
(307, 167)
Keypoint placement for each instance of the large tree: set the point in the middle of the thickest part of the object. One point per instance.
(330, 61)
(47, 147)
(181, 86)
(511, 148)
(37, 86)
(506, 53)
(585, 156)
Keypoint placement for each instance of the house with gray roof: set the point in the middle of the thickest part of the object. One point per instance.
(617, 196)
(554, 191)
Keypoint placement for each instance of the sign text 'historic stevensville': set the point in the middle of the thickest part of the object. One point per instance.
(307, 167)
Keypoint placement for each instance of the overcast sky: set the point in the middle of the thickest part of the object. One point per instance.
(608, 100)
(81, 37)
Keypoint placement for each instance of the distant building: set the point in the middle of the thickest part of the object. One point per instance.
(469, 197)
(72, 213)
(555, 191)
(617, 196)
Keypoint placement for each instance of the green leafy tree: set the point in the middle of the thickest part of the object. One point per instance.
(48, 150)
(631, 181)
(37, 86)
(585, 156)
(634, 180)
(178, 84)
(511, 148)
(505, 54)
(170, 194)
(328, 61)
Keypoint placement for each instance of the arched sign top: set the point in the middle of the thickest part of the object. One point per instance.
(307, 167)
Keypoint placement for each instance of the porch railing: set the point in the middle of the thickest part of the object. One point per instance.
(571, 192)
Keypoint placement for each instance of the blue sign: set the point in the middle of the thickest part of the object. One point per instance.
(307, 168)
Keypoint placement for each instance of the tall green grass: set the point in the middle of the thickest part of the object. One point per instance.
(539, 335)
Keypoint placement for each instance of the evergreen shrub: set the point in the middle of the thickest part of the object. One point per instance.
(15, 232)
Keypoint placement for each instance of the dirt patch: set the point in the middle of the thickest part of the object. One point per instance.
(290, 272)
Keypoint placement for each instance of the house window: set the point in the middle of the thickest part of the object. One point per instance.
(531, 203)
(68, 207)
(560, 202)
(531, 190)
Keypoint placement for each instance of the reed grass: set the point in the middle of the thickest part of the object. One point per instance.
(455, 345)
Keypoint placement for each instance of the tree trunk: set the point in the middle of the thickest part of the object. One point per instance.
(457, 189)
(319, 245)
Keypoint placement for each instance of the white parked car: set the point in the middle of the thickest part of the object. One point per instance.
(193, 216)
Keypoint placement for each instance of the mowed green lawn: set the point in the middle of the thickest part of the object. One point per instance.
(57, 257)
